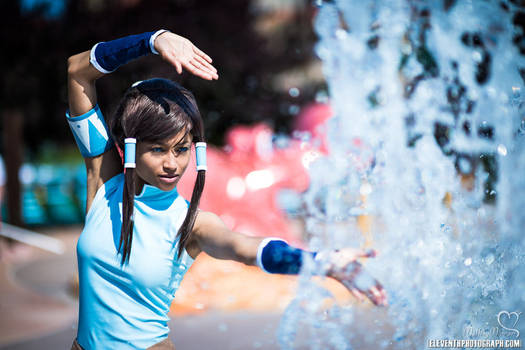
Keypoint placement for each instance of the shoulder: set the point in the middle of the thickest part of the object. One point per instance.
(209, 227)
(205, 221)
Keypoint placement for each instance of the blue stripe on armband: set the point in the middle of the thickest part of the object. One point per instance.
(90, 132)
(276, 256)
(108, 56)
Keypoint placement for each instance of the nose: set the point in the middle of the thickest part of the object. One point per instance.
(170, 162)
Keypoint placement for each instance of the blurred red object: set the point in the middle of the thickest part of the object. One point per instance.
(312, 119)
(245, 177)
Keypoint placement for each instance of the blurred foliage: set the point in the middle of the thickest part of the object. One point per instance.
(36, 47)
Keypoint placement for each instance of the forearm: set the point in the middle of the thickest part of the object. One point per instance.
(103, 58)
(81, 84)
(238, 247)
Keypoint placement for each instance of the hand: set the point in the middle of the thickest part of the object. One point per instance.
(342, 265)
(180, 52)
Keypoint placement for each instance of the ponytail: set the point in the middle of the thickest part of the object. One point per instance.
(187, 226)
(128, 196)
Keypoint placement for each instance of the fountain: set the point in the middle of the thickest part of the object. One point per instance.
(433, 88)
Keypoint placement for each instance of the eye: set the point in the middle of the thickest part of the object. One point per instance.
(157, 149)
(182, 149)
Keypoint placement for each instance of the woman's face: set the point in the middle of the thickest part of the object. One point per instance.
(162, 164)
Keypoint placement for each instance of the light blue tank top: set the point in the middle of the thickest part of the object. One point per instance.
(127, 307)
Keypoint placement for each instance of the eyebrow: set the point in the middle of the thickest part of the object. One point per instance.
(181, 142)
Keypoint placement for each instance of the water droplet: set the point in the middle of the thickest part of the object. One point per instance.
(365, 189)
(294, 92)
(489, 259)
(293, 109)
(464, 166)
(468, 261)
(476, 56)
(502, 150)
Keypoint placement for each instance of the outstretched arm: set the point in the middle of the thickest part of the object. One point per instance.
(213, 237)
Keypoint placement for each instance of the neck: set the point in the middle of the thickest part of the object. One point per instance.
(139, 184)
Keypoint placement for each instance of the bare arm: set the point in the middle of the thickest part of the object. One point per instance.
(212, 236)
(82, 97)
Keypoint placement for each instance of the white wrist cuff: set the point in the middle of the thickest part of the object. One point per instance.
(93, 60)
(152, 40)
(263, 244)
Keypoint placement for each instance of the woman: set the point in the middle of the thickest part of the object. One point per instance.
(125, 293)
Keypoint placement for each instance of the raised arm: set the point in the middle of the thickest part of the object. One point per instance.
(212, 236)
(82, 98)
(84, 116)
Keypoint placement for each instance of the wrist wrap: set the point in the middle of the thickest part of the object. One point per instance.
(106, 57)
(274, 255)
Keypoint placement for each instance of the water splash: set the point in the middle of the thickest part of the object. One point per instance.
(434, 89)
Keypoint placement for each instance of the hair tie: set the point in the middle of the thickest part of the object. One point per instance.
(200, 153)
(129, 152)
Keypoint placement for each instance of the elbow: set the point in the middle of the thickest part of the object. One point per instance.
(73, 66)
(78, 68)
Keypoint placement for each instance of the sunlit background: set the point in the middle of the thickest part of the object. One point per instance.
(258, 154)
(418, 152)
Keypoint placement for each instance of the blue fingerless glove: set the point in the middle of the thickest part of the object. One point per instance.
(106, 57)
(276, 256)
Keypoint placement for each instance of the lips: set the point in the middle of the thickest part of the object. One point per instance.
(169, 179)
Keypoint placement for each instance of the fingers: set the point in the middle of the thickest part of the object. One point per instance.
(205, 63)
(174, 62)
(178, 66)
(378, 295)
(370, 253)
(204, 69)
(382, 291)
(357, 294)
(202, 54)
(361, 285)
(183, 54)
(193, 67)
(198, 72)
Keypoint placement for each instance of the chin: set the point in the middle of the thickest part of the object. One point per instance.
(167, 187)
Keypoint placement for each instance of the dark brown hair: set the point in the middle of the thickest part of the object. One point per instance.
(153, 111)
